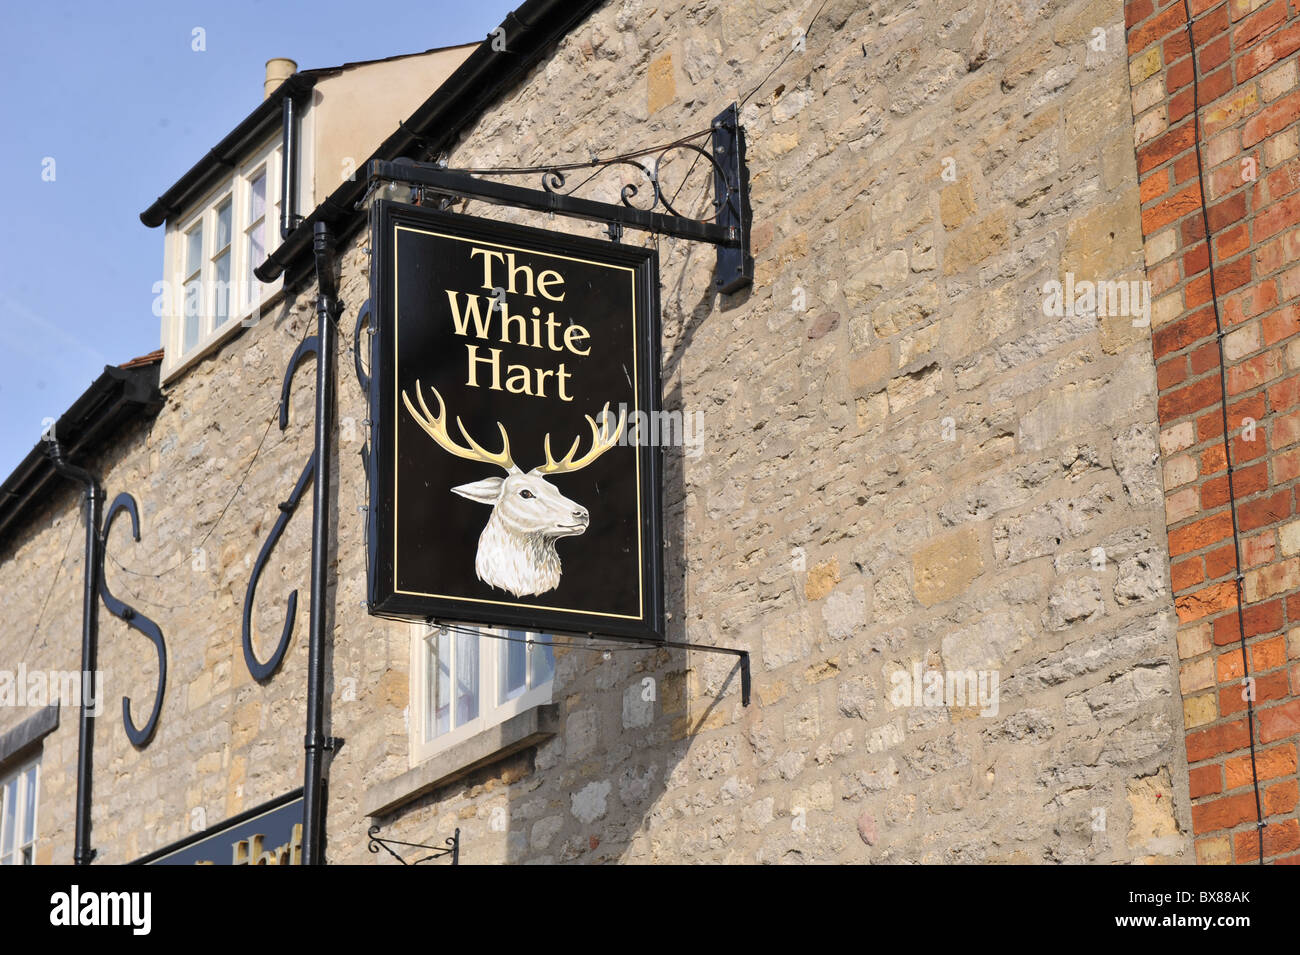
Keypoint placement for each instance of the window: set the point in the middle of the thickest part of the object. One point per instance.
(211, 255)
(18, 796)
(470, 678)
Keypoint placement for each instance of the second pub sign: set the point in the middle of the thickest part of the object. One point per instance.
(514, 382)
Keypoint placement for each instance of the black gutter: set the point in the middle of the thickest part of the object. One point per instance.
(486, 73)
(117, 396)
(82, 853)
(315, 742)
(218, 162)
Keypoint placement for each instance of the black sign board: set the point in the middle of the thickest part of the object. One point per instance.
(270, 834)
(513, 374)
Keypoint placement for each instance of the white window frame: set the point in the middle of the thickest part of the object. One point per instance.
(491, 711)
(23, 852)
(242, 312)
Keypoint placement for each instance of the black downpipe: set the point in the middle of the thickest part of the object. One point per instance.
(313, 828)
(82, 853)
(289, 170)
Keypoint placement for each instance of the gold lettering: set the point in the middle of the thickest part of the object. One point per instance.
(494, 361)
(579, 333)
(487, 266)
(550, 277)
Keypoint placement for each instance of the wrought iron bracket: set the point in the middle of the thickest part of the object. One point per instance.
(728, 228)
(259, 670)
(744, 662)
(139, 736)
(450, 847)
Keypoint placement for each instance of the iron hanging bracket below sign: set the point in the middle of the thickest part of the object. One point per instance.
(728, 228)
(451, 847)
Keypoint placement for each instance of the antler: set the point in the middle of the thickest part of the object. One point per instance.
(601, 441)
(436, 427)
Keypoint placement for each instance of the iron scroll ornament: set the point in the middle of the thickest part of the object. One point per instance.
(263, 671)
(137, 621)
(553, 181)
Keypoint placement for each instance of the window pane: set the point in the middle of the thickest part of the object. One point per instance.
(513, 666)
(193, 249)
(543, 660)
(193, 306)
(223, 225)
(257, 197)
(10, 811)
(222, 278)
(466, 677)
(29, 812)
(438, 652)
(256, 256)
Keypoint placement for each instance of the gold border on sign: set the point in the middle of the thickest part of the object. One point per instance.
(636, 399)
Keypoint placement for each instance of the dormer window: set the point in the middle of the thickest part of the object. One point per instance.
(211, 254)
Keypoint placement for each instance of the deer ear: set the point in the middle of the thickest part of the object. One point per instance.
(486, 491)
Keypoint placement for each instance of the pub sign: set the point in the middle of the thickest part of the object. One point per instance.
(513, 375)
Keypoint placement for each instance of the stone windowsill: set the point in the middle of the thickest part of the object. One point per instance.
(495, 743)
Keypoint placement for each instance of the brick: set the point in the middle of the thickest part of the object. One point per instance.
(1281, 325)
(1206, 601)
(1280, 798)
(1264, 511)
(1249, 302)
(1171, 209)
(1277, 217)
(1272, 119)
(1223, 813)
(1260, 549)
(1166, 147)
(1217, 740)
(1171, 372)
(1135, 11)
(1225, 213)
(1220, 561)
(1278, 837)
(1280, 44)
(1187, 573)
(1155, 29)
(1278, 722)
(1216, 850)
(1286, 429)
(1231, 242)
(1205, 28)
(1269, 764)
(1154, 186)
(1258, 24)
(1268, 688)
(1189, 399)
(1205, 781)
(1199, 534)
(1253, 372)
(1187, 330)
(1268, 654)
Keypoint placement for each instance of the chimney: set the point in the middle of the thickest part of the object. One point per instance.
(277, 71)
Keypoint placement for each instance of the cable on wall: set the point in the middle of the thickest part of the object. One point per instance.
(1239, 578)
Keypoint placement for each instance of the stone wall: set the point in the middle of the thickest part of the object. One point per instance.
(906, 463)
(1246, 135)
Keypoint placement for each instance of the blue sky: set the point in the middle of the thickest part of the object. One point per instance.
(116, 95)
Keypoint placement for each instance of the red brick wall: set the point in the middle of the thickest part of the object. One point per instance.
(1246, 78)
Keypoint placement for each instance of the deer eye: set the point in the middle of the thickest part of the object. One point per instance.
(526, 495)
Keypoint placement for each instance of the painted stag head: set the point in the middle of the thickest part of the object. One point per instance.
(516, 551)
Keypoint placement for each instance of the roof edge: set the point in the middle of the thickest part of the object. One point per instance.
(439, 120)
(120, 394)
